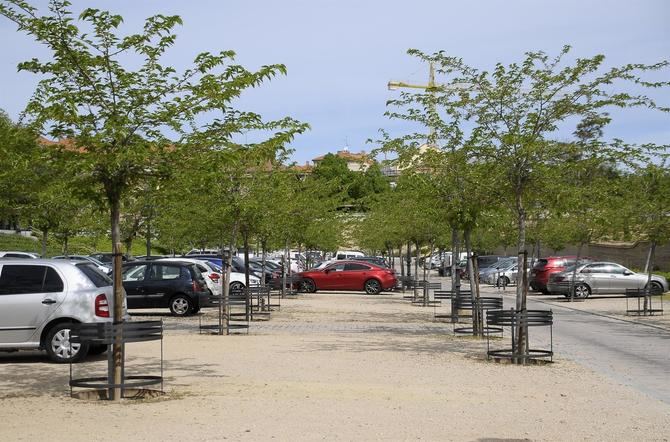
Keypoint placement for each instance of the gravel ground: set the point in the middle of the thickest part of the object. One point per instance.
(328, 366)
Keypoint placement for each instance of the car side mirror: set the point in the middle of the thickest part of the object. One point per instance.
(326, 271)
(627, 273)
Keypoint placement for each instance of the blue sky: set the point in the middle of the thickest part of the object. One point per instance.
(340, 54)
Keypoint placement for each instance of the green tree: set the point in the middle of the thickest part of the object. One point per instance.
(517, 109)
(19, 153)
(645, 206)
(113, 97)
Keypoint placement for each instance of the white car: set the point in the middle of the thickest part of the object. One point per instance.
(348, 254)
(41, 298)
(101, 266)
(20, 255)
(212, 274)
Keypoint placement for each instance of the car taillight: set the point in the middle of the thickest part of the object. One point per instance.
(196, 286)
(101, 306)
(215, 277)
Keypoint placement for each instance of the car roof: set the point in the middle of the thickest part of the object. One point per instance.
(4, 252)
(349, 261)
(180, 259)
(64, 265)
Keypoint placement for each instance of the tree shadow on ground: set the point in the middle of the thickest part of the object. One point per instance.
(31, 374)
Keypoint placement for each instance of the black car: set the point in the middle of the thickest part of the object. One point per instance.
(255, 268)
(176, 285)
(107, 258)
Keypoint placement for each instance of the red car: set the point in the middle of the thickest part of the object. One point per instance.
(348, 275)
(545, 267)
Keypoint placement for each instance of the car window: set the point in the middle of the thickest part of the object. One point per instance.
(135, 273)
(214, 267)
(162, 272)
(597, 268)
(23, 279)
(52, 282)
(356, 266)
(98, 278)
(616, 269)
(540, 264)
(202, 268)
(337, 267)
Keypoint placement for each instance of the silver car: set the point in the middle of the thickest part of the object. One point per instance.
(489, 274)
(602, 278)
(107, 269)
(41, 298)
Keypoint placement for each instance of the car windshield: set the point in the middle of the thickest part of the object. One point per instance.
(93, 260)
(96, 276)
(213, 266)
(540, 264)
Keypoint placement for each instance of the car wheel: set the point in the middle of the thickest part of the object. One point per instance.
(181, 305)
(503, 281)
(236, 286)
(372, 287)
(582, 291)
(308, 286)
(656, 288)
(58, 345)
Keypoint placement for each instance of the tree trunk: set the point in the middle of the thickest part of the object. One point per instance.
(573, 279)
(66, 240)
(286, 267)
(647, 263)
(226, 283)
(45, 237)
(117, 347)
(650, 268)
(402, 269)
(409, 260)
(149, 235)
(474, 287)
(455, 279)
(128, 243)
(263, 259)
(521, 328)
(245, 237)
(416, 267)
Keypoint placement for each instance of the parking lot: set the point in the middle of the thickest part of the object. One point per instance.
(330, 366)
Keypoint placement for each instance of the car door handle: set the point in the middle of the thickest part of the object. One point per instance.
(49, 301)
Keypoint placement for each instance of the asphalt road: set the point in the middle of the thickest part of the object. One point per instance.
(630, 353)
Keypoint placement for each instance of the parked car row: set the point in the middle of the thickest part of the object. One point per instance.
(569, 276)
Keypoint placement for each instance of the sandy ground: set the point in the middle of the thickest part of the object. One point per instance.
(329, 367)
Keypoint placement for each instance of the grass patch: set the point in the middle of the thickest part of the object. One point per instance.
(79, 245)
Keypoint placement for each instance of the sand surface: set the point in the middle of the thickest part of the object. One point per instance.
(329, 367)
